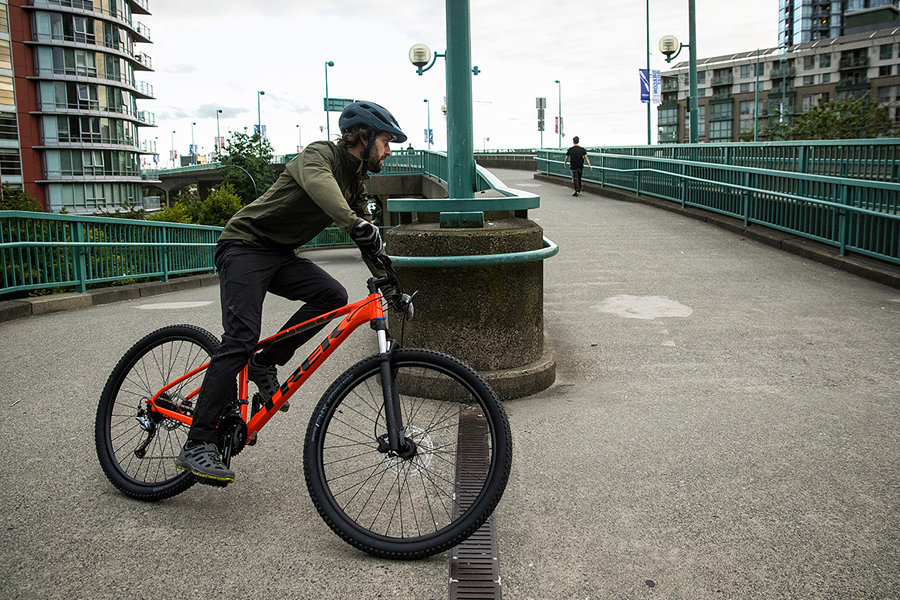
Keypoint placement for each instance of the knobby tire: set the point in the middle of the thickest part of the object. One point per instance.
(412, 507)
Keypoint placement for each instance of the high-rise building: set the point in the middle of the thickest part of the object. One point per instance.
(801, 21)
(69, 120)
(757, 90)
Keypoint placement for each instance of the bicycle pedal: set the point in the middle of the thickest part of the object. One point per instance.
(252, 440)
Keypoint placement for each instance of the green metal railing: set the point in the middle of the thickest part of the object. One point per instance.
(872, 159)
(859, 215)
(39, 250)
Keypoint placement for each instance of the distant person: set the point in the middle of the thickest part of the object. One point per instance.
(578, 156)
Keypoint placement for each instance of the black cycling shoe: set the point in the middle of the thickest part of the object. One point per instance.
(203, 460)
(266, 379)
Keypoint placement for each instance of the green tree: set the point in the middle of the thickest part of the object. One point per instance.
(253, 155)
(215, 209)
(16, 199)
(851, 118)
(780, 127)
(219, 206)
(177, 213)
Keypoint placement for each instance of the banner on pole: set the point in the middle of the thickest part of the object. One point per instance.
(651, 86)
(656, 87)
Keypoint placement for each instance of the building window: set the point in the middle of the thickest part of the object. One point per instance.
(809, 62)
(5, 55)
(720, 111)
(885, 70)
(887, 51)
(824, 61)
(720, 130)
(811, 100)
(7, 96)
(668, 116)
(809, 80)
(825, 78)
(9, 162)
(701, 121)
(4, 19)
(8, 128)
(888, 93)
(701, 77)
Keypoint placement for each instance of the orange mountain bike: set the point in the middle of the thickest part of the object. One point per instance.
(406, 454)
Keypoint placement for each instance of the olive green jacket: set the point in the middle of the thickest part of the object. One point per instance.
(319, 187)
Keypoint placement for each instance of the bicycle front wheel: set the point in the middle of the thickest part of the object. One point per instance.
(137, 447)
(422, 502)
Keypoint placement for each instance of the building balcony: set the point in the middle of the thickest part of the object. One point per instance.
(140, 7)
(849, 63)
(853, 83)
(143, 60)
(721, 97)
(668, 104)
(141, 33)
(782, 90)
(723, 79)
(670, 84)
(783, 72)
(146, 118)
(144, 90)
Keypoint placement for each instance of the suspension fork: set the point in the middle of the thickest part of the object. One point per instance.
(396, 435)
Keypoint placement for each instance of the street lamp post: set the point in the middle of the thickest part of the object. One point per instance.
(329, 63)
(299, 139)
(649, 100)
(259, 95)
(172, 153)
(428, 132)
(669, 46)
(559, 117)
(192, 141)
(218, 133)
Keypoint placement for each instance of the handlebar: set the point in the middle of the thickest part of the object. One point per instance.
(398, 301)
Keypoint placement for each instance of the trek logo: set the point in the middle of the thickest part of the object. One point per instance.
(312, 359)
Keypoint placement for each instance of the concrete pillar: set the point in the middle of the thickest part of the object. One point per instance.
(489, 316)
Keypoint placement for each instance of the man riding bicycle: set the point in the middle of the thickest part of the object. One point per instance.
(255, 255)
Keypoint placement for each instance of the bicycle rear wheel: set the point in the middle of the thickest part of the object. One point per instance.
(137, 447)
(424, 503)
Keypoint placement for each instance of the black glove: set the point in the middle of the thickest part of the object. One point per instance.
(367, 237)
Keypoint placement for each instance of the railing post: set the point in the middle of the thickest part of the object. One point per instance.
(747, 197)
(843, 225)
(164, 258)
(78, 256)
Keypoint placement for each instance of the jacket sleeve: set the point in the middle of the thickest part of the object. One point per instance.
(315, 174)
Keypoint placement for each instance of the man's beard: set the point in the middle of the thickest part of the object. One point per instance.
(374, 166)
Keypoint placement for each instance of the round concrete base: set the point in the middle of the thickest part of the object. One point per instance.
(489, 316)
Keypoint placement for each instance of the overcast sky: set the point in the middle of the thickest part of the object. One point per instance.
(218, 55)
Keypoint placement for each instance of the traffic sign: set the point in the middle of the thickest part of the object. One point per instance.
(337, 104)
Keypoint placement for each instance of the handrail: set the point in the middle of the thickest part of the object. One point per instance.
(477, 260)
(861, 215)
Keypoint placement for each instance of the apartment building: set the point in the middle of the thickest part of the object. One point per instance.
(769, 85)
(801, 21)
(69, 119)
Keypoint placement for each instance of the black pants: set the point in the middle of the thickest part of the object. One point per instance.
(576, 178)
(246, 274)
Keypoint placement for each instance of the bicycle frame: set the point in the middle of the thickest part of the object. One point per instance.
(367, 310)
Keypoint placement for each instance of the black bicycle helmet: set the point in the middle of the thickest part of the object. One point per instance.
(373, 116)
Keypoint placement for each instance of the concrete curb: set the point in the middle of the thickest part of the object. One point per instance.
(42, 305)
(867, 268)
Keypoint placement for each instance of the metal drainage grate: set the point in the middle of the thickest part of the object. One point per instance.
(474, 567)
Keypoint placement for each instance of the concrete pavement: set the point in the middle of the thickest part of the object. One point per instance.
(724, 424)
